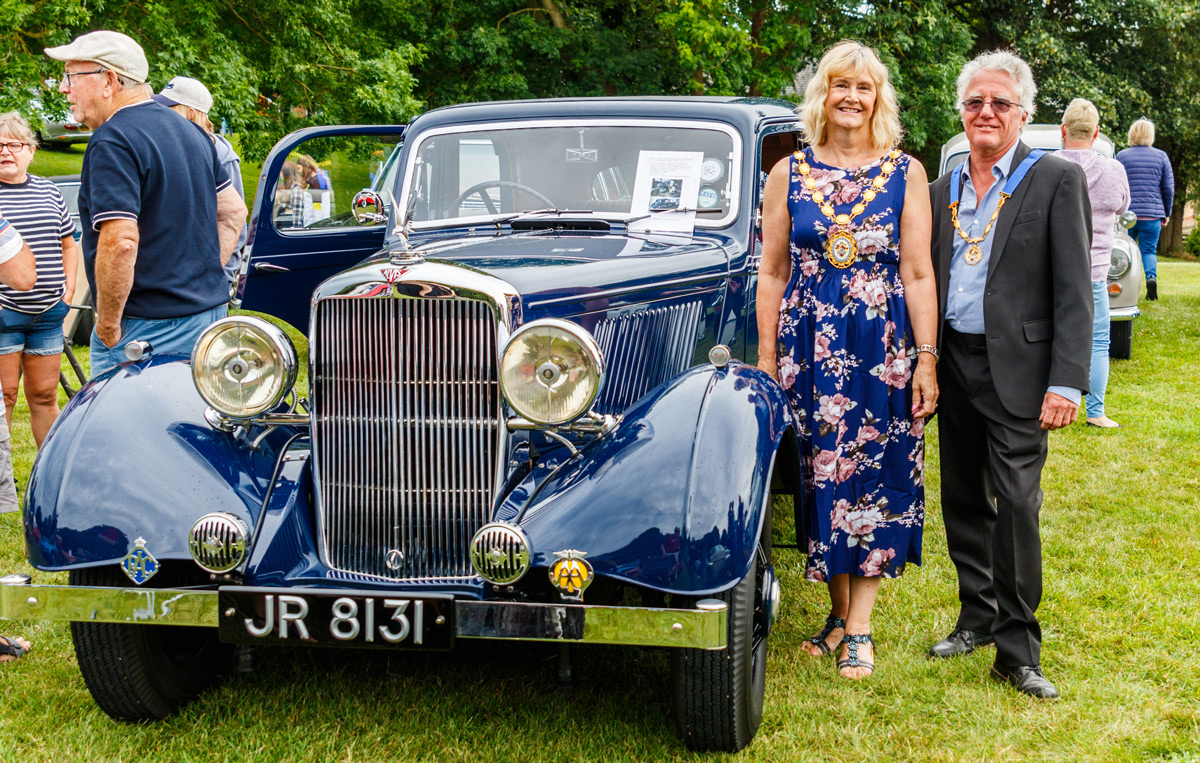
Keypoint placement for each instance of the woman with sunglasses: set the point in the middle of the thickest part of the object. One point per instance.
(31, 322)
(847, 324)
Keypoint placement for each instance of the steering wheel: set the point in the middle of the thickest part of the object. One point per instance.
(480, 188)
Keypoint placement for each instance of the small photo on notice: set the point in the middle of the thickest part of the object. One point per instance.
(665, 193)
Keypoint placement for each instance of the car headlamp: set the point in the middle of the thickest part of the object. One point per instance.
(1121, 262)
(551, 371)
(243, 366)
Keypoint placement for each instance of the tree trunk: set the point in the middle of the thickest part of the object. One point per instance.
(555, 14)
(1172, 239)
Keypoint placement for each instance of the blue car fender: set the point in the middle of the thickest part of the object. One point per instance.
(132, 456)
(675, 497)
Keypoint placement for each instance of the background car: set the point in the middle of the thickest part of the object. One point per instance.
(1125, 272)
(55, 132)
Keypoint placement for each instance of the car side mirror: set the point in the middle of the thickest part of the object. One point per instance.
(367, 208)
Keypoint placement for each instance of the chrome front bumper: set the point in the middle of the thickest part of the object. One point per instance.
(1123, 313)
(701, 628)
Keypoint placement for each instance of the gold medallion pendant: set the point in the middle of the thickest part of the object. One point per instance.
(974, 255)
(841, 249)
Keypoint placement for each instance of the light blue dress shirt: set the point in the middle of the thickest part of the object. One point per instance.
(964, 300)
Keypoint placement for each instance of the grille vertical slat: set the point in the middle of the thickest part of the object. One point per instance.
(645, 349)
(405, 433)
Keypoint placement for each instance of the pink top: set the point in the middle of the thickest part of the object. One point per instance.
(1109, 190)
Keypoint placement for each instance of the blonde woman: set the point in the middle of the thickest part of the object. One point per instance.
(31, 322)
(847, 314)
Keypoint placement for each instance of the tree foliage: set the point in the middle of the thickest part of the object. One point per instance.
(276, 66)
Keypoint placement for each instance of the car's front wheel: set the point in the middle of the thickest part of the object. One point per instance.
(718, 695)
(144, 672)
(1120, 340)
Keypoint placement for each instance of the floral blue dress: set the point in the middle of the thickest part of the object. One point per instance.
(846, 357)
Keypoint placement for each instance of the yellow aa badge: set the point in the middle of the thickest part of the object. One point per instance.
(571, 574)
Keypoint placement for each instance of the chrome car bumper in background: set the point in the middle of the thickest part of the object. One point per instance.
(700, 628)
(1123, 313)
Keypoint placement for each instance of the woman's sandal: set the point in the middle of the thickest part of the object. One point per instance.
(852, 642)
(831, 624)
(10, 648)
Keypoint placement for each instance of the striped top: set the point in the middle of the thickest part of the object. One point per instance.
(37, 210)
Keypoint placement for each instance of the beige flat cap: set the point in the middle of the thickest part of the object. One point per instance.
(112, 50)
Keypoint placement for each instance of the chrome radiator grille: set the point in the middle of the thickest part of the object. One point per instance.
(405, 432)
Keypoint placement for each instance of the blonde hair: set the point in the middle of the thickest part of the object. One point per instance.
(1081, 119)
(12, 123)
(1141, 133)
(193, 115)
(850, 57)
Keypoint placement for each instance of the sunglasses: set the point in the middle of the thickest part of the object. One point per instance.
(999, 105)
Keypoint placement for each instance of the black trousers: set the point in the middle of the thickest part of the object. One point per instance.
(991, 467)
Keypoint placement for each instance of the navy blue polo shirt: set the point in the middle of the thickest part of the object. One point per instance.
(150, 165)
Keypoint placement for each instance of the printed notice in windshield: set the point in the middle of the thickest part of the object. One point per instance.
(666, 189)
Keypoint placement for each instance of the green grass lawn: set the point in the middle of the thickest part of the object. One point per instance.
(1121, 620)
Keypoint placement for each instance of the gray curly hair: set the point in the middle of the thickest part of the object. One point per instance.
(1001, 61)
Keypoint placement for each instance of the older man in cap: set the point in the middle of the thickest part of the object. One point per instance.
(160, 216)
(1012, 232)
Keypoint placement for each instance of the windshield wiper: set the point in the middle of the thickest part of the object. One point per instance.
(653, 212)
(531, 212)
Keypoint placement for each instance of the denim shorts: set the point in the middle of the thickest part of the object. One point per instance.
(33, 334)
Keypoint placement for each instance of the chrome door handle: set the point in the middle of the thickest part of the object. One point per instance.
(266, 267)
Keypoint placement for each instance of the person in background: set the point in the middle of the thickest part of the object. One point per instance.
(847, 320)
(190, 98)
(293, 206)
(1152, 186)
(1108, 190)
(160, 216)
(311, 175)
(18, 270)
(31, 322)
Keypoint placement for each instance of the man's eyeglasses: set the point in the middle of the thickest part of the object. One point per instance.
(999, 105)
(12, 147)
(69, 75)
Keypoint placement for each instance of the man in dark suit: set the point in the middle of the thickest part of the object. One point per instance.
(1011, 238)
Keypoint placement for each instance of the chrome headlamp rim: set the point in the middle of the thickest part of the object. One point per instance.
(278, 342)
(591, 350)
(1120, 263)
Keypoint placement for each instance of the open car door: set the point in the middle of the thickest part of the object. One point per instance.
(303, 228)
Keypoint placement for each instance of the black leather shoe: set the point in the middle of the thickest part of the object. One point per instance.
(1028, 679)
(1151, 289)
(960, 641)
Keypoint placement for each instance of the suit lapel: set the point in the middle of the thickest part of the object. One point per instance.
(1004, 222)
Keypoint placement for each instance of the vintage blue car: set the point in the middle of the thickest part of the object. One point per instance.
(523, 417)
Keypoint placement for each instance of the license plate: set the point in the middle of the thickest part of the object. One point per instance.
(318, 617)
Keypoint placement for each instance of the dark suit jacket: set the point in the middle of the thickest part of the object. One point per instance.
(1037, 307)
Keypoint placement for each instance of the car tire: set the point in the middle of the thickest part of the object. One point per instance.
(718, 695)
(1120, 340)
(139, 673)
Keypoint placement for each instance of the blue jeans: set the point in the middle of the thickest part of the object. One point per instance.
(1147, 232)
(1098, 381)
(170, 336)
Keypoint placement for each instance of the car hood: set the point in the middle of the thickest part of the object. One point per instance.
(549, 269)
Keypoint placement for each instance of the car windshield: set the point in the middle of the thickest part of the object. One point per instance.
(614, 171)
